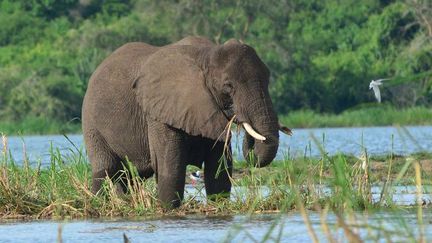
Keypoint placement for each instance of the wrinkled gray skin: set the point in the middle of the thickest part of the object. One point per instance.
(163, 108)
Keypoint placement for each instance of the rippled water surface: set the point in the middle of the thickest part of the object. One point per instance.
(286, 228)
(377, 140)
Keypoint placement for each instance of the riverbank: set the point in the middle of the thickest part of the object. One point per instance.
(362, 117)
(366, 116)
(62, 190)
(327, 194)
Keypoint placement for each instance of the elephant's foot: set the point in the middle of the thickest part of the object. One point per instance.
(169, 153)
(171, 188)
(217, 173)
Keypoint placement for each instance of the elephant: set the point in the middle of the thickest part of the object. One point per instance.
(163, 108)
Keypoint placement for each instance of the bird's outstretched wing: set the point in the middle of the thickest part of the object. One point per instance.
(382, 79)
(377, 93)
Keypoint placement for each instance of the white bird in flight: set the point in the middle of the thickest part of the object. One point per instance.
(374, 84)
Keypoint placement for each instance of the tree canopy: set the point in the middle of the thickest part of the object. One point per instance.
(322, 54)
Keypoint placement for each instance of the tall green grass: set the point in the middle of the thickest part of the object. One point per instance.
(39, 125)
(62, 189)
(365, 116)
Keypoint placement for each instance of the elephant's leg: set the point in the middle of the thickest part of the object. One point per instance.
(217, 171)
(168, 148)
(104, 161)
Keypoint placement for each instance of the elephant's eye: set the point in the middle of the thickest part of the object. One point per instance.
(227, 88)
(229, 106)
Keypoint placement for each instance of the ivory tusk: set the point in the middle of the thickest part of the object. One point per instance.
(285, 129)
(252, 132)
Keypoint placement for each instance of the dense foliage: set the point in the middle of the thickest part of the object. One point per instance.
(322, 54)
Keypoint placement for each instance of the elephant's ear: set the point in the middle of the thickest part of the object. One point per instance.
(172, 90)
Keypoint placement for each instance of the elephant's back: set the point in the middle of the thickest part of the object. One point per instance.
(125, 60)
(136, 50)
(194, 41)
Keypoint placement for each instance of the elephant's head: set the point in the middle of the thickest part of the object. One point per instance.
(239, 80)
(199, 88)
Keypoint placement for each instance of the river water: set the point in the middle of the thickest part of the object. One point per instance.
(398, 225)
(376, 140)
(288, 227)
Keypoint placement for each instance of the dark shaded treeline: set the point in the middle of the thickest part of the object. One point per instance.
(322, 54)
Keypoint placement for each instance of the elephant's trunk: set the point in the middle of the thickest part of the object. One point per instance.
(264, 121)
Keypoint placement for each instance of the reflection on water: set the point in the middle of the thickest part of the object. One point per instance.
(397, 195)
(287, 227)
(377, 140)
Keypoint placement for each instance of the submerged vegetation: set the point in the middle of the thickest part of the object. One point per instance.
(339, 185)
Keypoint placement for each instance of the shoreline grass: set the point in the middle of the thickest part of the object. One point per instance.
(39, 126)
(62, 190)
(372, 115)
(364, 116)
